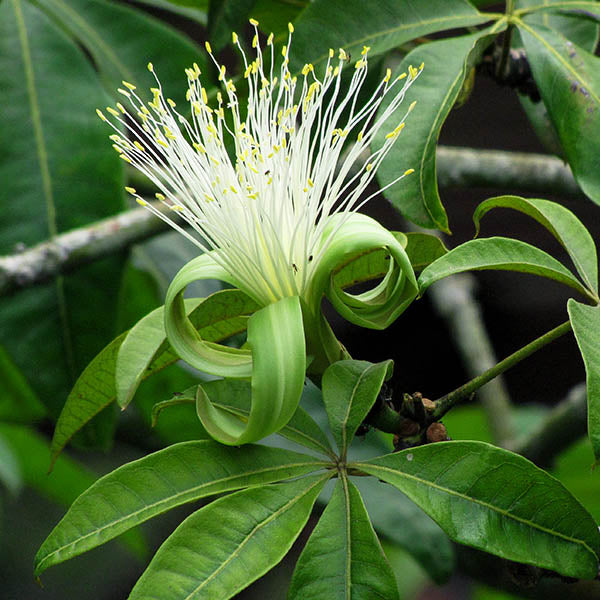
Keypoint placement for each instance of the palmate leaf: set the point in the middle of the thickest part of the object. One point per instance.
(585, 321)
(343, 559)
(350, 388)
(225, 546)
(351, 25)
(568, 230)
(501, 254)
(447, 63)
(497, 501)
(57, 173)
(96, 387)
(568, 78)
(160, 481)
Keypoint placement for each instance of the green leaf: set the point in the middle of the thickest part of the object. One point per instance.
(585, 321)
(10, 471)
(57, 174)
(502, 254)
(569, 231)
(402, 522)
(96, 388)
(542, 13)
(343, 559)
(423, 249)
(158, 482)
(274, 15)
(337, 23)
(568, 78)
(580, 32)
(122, 40)
(350, 388)
(234, 396)
(218, 317)
(496, 501)
(225, 16)
(18, 402)
(195, 10)
(446, 64)
(225, 546)
(69, 478)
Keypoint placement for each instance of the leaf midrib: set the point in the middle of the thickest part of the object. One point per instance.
(450, 492)
(249, 536)
(175, 497)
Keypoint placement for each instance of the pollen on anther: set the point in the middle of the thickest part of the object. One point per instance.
(290, 28)
(208, 47)
(409, 171)
(141, 202)
(253, 22)
(131, 190)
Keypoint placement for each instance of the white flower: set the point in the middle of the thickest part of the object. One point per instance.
(264, 209)
(271, 194)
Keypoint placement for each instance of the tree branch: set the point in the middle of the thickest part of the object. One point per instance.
(536, 173)
(77, 248)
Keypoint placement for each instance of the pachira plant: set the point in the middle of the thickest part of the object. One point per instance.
(263, 162)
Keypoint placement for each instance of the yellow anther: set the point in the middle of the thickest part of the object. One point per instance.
(270, 39)
(141, 202)
(139, 146)
(369, 167)
(124, 92)
(204, 96)
(128, 85)
(310, 182)
(125, 158)
(255, 40)
(150, 67)
(208, 47)
(343, 55)
(359, 137)
(100, 114)
(284, 51)
(234, 37)
(161, 143)
(365, 50)
(412, 71)
(336, 71)
(388, 75)
(253, 22)
(219, 98)
(121, 107)
(117, 149)
(176, 207)
(401, 76)
(131, 190)
(331, 52)
(412, 105)
(409, 171)
(359, 63)
(290, 28)
(171, 103)
(159, 196)
(421, 66)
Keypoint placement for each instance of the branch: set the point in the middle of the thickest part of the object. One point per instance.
(463, 167)
(454, 300)
(77, 248)
(562, 426)
(536, 173)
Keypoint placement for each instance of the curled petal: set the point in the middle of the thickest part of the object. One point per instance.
(276, 339)
(378, 307)
(205, 356)
(275, 359)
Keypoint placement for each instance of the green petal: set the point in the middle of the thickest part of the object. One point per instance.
(205, 356)
(276, 339)
(379, 307)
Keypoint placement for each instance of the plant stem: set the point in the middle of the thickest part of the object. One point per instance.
(445, 403)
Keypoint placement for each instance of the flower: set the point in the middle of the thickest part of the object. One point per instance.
(270, 195)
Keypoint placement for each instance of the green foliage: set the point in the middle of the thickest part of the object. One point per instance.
(59, 60)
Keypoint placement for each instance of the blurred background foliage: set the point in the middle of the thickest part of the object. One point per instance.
(61, 59)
